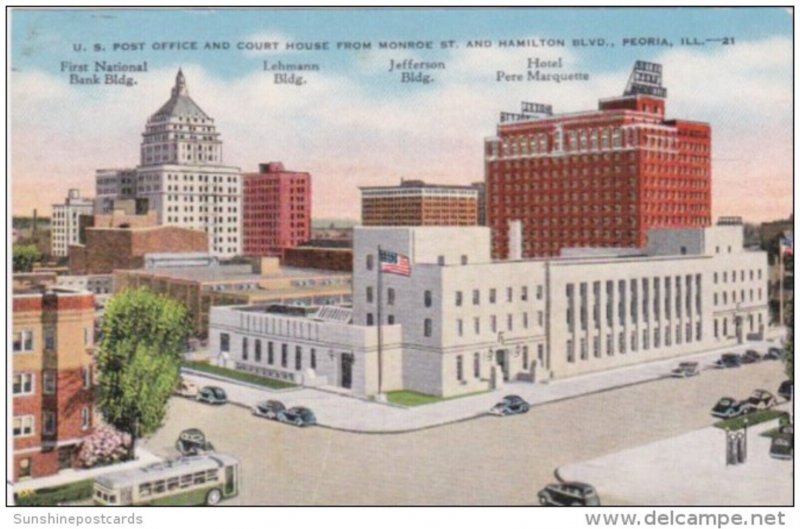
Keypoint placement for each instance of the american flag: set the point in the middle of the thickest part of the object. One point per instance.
(394, 263)
(787, 245)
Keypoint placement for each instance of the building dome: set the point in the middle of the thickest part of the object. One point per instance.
(179, 104)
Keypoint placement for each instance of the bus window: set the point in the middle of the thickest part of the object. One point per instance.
(199, 478)
(158, 486)
(145, 489)
(186, 481)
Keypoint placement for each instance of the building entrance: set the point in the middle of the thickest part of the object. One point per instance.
(347, 371)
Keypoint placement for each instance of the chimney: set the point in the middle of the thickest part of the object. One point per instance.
(514, 240)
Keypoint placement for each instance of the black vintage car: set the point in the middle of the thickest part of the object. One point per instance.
(728, 408)
(192, 441)
(762, 399)
(782, 446)
(728, 360)
(212, 395)
(572, 493)
(751, 356)
(510, 405)
(299, 416)
(774, 353)
(269, 409)
(786, 389)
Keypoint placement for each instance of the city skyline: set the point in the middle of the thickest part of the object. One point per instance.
(392, 130)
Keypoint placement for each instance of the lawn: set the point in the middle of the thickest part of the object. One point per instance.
(412, 398)
(752, 419)
(69, 493)
(238, 375)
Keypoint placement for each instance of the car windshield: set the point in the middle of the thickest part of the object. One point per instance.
(306, 414)
(218, 392)
(725, 402)
(780, 442)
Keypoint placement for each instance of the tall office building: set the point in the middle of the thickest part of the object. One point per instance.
(277, 210)
(65, 224)
(415, 203)
(598, 178)
(181, 174)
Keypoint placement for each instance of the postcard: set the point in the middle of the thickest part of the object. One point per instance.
(402, 257)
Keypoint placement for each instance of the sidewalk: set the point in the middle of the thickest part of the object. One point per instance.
(143, 457)
(347, 413)
(690, 470)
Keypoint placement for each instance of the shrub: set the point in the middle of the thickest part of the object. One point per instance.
(103, 447)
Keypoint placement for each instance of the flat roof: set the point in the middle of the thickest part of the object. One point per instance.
(232, 273)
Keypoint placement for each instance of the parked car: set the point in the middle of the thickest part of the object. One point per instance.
(728, 408)
(571, 493)
(686, 369)
(299, 416)
(774, 353)
(728, 360)
(786, 389)
(510, 405)
(186, 389)
(212, 395)
(782, 446)
(762, 399)
(751, 356)
(269, 409)
(192, 442)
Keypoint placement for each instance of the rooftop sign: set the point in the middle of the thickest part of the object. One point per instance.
(645, 79)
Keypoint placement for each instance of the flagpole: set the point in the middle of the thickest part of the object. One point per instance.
(380, 324)
(781, 323)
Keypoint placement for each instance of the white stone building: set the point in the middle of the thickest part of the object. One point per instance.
(467, 323)
(112, 185)
(64, 225)
(181, 174)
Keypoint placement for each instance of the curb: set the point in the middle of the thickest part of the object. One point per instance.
(407, 430)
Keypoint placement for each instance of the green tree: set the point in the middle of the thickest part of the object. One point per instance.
(24, 256)
(789, 357)
(143, 336)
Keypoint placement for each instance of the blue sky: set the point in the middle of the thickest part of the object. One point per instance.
(355, 124)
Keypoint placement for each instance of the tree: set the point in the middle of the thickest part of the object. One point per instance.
(24, 256)
(143, 336)
(789, 356)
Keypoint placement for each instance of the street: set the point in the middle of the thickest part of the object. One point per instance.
(484, 461)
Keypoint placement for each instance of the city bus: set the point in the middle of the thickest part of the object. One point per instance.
(195, 480)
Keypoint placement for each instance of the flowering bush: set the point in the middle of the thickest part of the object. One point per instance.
(103, 447)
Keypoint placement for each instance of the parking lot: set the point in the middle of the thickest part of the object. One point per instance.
(484, 461)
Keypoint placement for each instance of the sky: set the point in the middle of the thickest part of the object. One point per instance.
(354, 123)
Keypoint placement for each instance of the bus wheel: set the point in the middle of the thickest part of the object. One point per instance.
(213, 497)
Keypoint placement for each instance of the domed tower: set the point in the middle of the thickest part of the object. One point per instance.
(180, 132)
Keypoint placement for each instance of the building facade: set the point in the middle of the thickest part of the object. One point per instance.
(181, 174)
(277, 210)
(599, 178)
(415, 203)
(113, 186)
(65, 224)
(53, 408)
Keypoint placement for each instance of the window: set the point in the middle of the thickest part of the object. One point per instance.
(428, 327)
(370, 261)
(428, 298)
(476, 297)
(492, 295)
(509, 294)
(539, 292)
(224, 342)
(49, 382)
(270, 353)
(476, 365)
(460, 326)
(510, 322)
(390, 296)
(49, 422)
(23, 384)
(459, 298)
(523, 295)
(313, 358)
(494, 323)
(258, 350)
(370, 319)
(244, 348)
(440, 260)
(570, 351)
(464, 259)
(369, 294)
(284, 355)
(525, 357)
(49, 339)
(87, 377)
(477, 325)
(460, 367)
(23, 341)
(298, 358)
(23, 426)
(86, 418)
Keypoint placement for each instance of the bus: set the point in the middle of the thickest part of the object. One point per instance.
(196, 480)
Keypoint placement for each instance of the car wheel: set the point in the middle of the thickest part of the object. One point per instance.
(298, 422)
(524, 409)
(576, 504)
(270, 416)
(213, 497)
(544, 499)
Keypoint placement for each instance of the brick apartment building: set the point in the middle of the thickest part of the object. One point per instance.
(277, 210)
(53, 408)
(415, 203)
(109, 249)
(598, 178)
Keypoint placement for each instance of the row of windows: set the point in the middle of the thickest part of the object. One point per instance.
(476, 323)
(224, 345)
(623, 343)
(741, 297)
(25, 425)
(733, 273)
